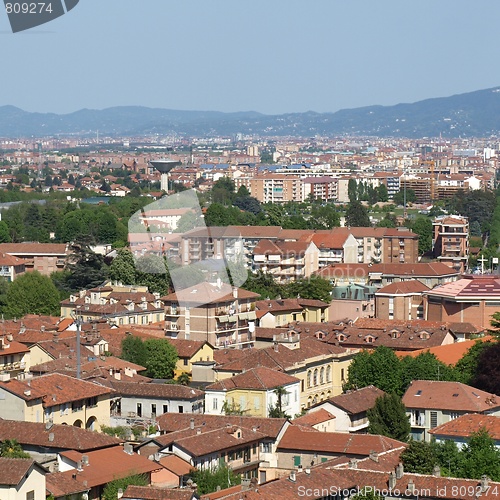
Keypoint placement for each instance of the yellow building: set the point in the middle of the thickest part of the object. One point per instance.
(320, 367)
(254, 393)
(56, 399)
(282, 312)
(189, 352)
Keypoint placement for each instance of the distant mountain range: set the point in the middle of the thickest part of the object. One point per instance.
(474, 114)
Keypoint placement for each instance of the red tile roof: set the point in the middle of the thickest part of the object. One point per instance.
(358, 401)
(465, 425)
(57, 436)
(210, 292)
(176, 465)
(13, 470)
(403, 288)
(340, 443)
(151, 493)
(260, 378)
(452, 396)
(314, 418)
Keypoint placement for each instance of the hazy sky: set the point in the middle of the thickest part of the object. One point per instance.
(272, 56)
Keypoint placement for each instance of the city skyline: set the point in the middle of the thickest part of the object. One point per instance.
(227, 56)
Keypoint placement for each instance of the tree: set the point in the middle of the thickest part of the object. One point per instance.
(248, 204)
(487, 376)
(352, 190)
(380, 368)
(223, 191)
(423, 227)
(32, 293)
(10, 448)
(161, 358)
(315, 288)
(134, 350)
(324, 217)
(4, 233)
(209, 480)
(399, 197)
(122, 268)
(383, 194)
(480, 457)
(277, 411)
(425, 366)
(388, 418)
(110, 491)
(419, 458)
(475, 229)
(466, 368)
(264, 284)
(357, 215)
(232, 408)
(87, 269)
(184, 378)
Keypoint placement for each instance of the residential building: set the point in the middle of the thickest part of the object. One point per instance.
(472, 299)
(281, 312)
(45, 258)
(273, 188)
(149, 493)
(450, 241)
(225, 318)
(254, 392)
(11, 267)
(189, 352)
(321, 188)
(350, 409)
(117, 304)
(320, 367)
(459, 430)
(44, 441)
(14, 358)
(321, 420)
(57, 399)
(175, 472)
(136, 401)
(401, 301)
(286, 260)
(431, 403)
(21, 479)
(90, 472)
(303, 447)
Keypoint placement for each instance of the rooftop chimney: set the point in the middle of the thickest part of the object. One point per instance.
(484, 483)
(392, 480)
(374, 456)
(51, 437)
(128, 448)
(353, 463)
(85, 460)
(399, 471)
(293, 476)
(436, 471)
(191, 423)
(411, 486)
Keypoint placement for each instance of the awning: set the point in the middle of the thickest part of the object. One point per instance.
(223, 319)
(233, 318)
(243, 315)
(252, 315)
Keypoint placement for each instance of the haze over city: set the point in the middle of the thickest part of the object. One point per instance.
(272, 57)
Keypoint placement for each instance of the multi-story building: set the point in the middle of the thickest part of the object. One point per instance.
(472, 299)
(321, 188)
(117, 304)
(273, 188)
(45, 258)
(450, 241)
(401, 301)
(286, 260)
(226, 316)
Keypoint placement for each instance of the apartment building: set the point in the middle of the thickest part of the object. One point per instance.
(401, 301)
(273, 188)
(321, 188)
(225, 318)
(45, 258)
(450, 241)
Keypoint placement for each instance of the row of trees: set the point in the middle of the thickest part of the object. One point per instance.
(385, 370)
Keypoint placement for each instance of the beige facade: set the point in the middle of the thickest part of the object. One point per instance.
(28, 484)
(226, 319)
(450, 241)
(273, 188)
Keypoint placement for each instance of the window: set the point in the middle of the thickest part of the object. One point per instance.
(165, 408)
(309, 378)
(434, 419)
(266, 447)
(153, 410)
(323, 459)
(215, 403)
(76, 405)
(322, 375)
(256, 403)
(92, 402)
(454, 415)
(30, 495)
(315, 377)
(296, 460)
(329, 373)
(185, 361)
(139, 409)
(181, 409)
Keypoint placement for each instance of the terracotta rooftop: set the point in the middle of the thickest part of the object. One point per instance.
(57, 436)
(175, 464)
(357, 401)
(449, 354)
(55, 389)
(452, 396)
(152, 390)
(105, 465)
(403, 288)
(466, 425)
(314, 418)
(470, 286)
(260, 378)
(341, 443)
(151, 493)
(29, 249)
(187, 348)
(210, 292)
(170, 422)
(13, 470)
